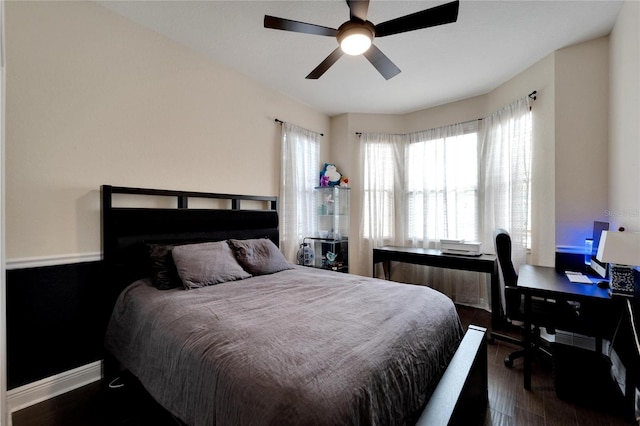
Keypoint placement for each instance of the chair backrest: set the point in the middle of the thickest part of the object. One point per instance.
(502, 241)
(502, 244)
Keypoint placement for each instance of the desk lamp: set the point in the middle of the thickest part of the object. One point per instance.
(622, 251)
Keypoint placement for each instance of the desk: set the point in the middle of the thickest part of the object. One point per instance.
(546, 282)
(486, 263)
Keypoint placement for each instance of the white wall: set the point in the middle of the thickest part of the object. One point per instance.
(443, 115)
(94, 99)
(623, 208)
(582, 123)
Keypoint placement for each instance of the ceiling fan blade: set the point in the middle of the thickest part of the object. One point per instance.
(358, 9)
(383, 64)
(439, 15)
(298, 27)
(326, 64)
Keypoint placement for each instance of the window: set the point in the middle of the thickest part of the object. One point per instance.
(443, 188)
(423, 185)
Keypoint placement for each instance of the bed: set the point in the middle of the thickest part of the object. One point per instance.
(271, 342)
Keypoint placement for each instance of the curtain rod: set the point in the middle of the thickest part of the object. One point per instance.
(533, 96)
(280, 122)
(402, 134)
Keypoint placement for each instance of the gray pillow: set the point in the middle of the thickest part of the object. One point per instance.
(204, 264)
(259, 256)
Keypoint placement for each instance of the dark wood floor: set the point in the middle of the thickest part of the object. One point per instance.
(509, 403)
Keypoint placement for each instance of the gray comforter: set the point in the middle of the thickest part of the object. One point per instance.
(298, 347)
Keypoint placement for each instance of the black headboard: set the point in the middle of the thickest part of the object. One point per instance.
(125, 230)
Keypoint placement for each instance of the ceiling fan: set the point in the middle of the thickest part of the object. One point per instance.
(356, 35)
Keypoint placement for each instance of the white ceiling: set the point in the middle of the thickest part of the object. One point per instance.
(491, 42)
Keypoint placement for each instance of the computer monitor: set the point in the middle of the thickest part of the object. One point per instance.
(599, 268)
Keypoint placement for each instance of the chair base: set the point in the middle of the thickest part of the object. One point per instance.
(508, 360)
(537, 346)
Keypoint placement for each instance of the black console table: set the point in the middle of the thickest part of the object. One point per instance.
(486, 263)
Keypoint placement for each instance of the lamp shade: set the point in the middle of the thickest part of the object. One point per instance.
(622, 248)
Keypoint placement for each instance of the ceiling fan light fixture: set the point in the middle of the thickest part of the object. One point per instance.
(355, 36)
(355, 39)
(355, 44)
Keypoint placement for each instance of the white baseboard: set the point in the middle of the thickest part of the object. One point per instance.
(33, 393)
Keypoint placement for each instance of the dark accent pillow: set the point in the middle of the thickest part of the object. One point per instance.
(259, 256)
(164, 275)
(205, 264)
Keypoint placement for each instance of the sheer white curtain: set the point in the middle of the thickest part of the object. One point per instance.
(505, 176)
(300, 162)
(382, 158)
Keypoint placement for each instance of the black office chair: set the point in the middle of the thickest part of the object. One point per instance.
(544, 313)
